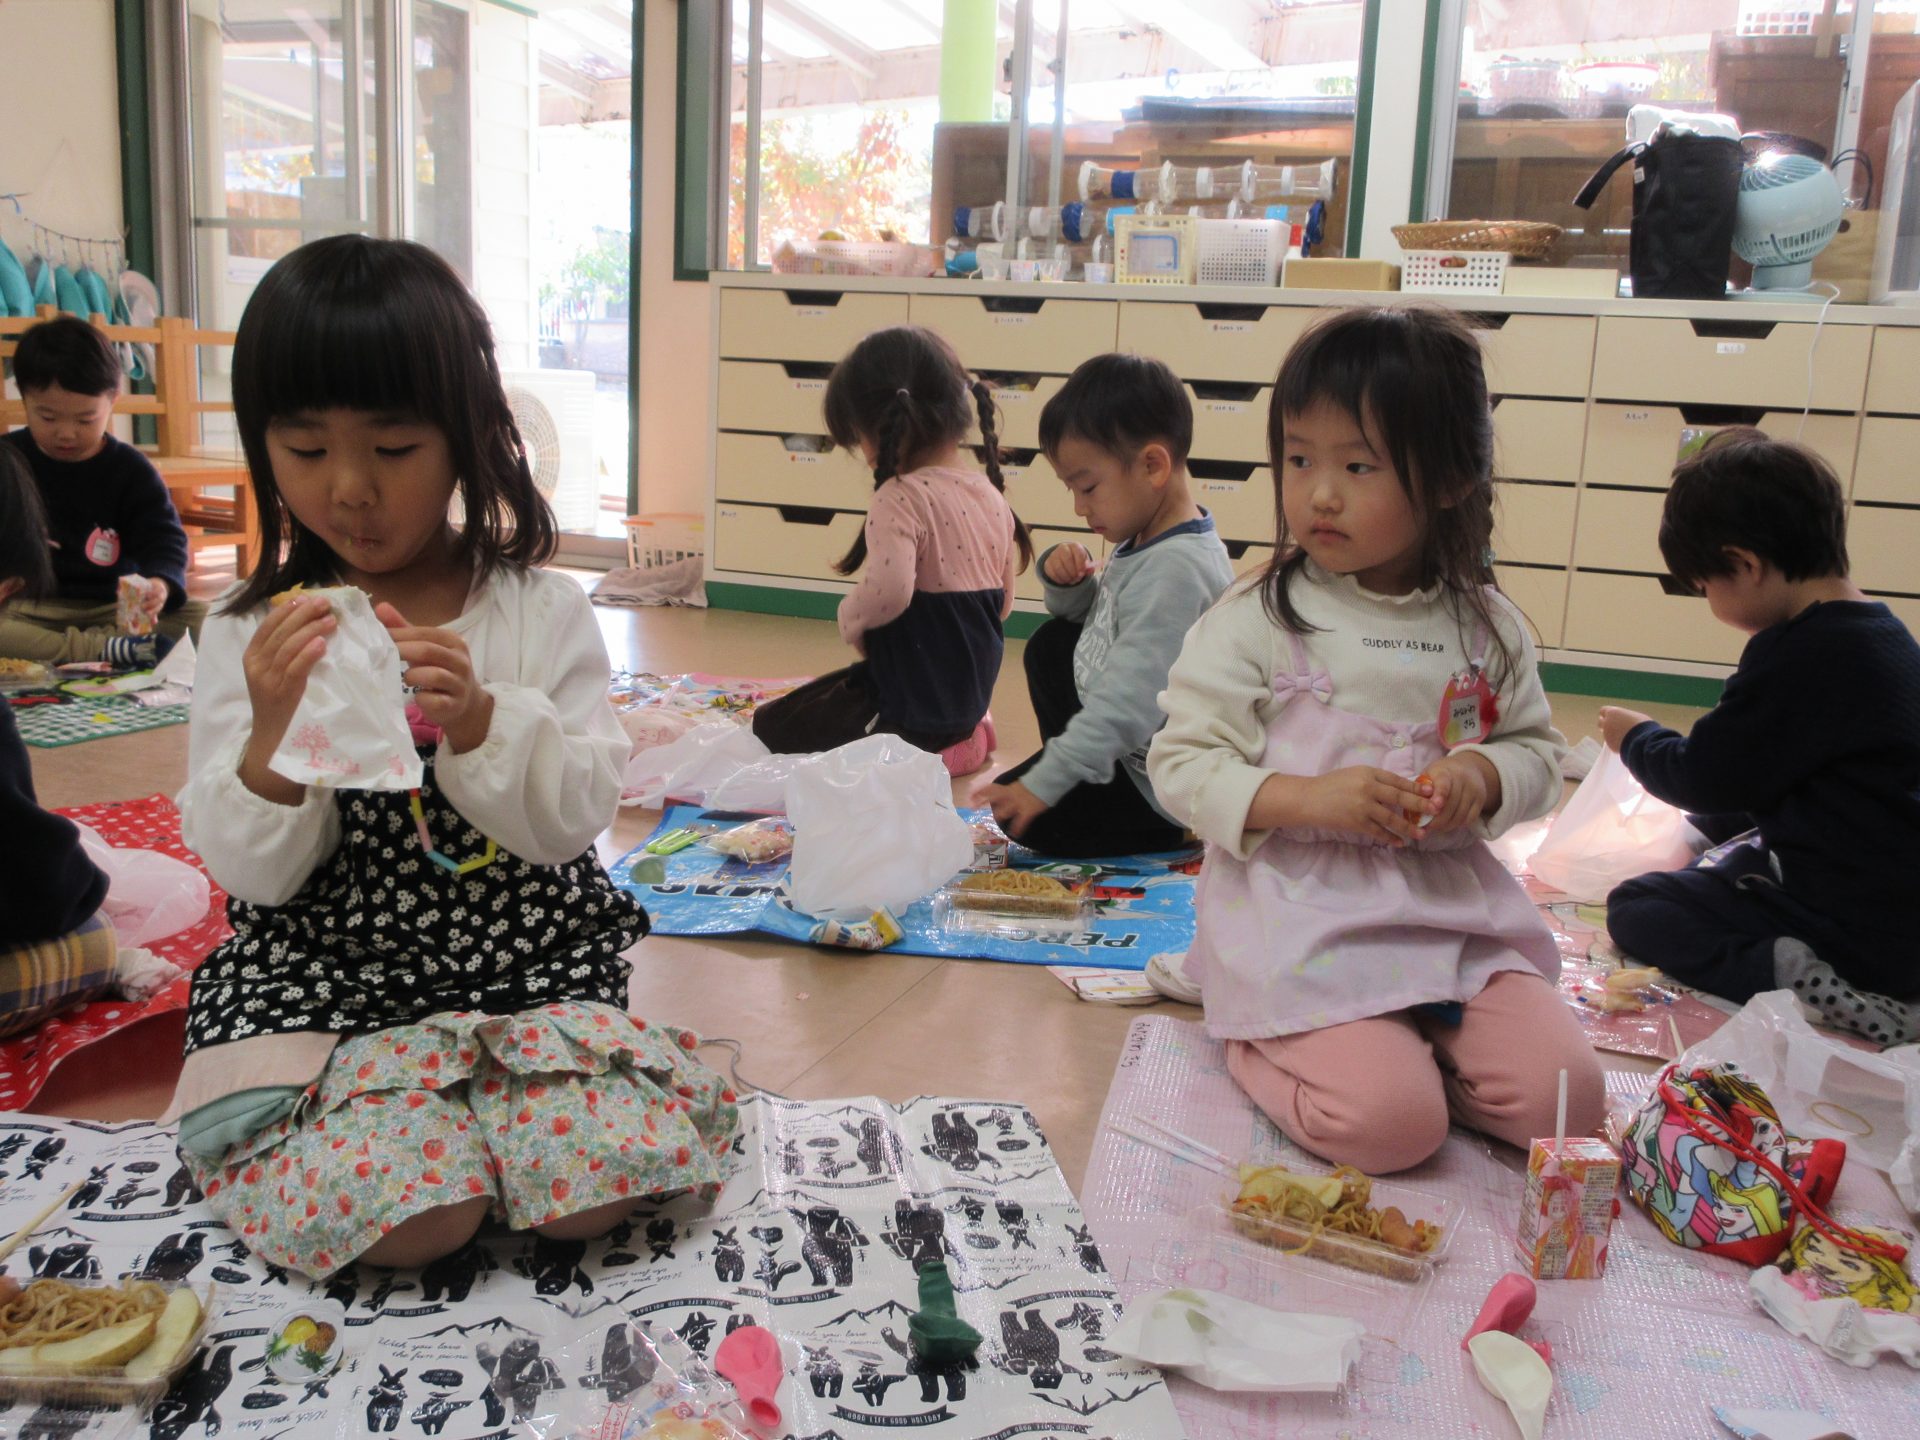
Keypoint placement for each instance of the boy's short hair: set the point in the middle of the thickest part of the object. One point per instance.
(1749, 491)
(68, 352)
(1120, 403)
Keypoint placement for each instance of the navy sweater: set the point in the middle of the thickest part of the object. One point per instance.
(108, 516)
(1817, 737)
(51, 886)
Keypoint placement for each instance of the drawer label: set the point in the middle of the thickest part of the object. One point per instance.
(802, 457)
(1014, 318)
(1638, 417)
(1230, 327)
(1011, 397)
(1730, 347)
(811, 312)
(808, 384)
(1221, 487)
(1225, 407)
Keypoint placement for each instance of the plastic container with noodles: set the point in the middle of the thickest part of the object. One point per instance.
(983, 904)
(129, 1383)
(1306, 1239)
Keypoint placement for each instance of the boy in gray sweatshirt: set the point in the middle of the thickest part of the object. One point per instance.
(1117, 434)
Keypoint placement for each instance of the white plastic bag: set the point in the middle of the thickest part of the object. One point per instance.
(721, 764)
(1230, 1344)
(351, 730)
(874, 828)
(149, 895)
(1611, 831)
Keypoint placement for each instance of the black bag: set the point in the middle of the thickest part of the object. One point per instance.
(1686, 189)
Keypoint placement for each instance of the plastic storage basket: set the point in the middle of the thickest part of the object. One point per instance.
(1155, 249)
(655, 541)
(1241, 252)
(1468, 272)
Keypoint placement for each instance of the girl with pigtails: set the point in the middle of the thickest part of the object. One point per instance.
(936, 560)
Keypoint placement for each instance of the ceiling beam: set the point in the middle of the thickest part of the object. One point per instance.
(845, 48)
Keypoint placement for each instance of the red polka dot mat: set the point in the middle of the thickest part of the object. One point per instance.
(150, 824)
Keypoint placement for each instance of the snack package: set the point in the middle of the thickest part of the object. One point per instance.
(351, 732)
(1567, 1216)
(876, 932)
(136, 604)
(758, 842)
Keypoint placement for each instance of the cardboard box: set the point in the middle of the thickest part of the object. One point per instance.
(1560, 282)
(1317, 272)
(1567, 1217)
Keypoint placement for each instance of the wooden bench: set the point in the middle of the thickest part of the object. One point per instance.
(211, 489)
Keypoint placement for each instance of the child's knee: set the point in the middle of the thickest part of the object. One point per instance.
(1524, 1102)
(426, 1237)
(587, 1224)
(1377, 1128)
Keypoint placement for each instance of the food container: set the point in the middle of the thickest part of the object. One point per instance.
(113, 1385)
(994, 912)
(24, 675)
(1353, 1252)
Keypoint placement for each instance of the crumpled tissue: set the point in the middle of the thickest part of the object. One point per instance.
(350, 732)
(1229, 1344)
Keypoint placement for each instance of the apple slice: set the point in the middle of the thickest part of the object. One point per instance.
(175, 1328)
(101, 1350)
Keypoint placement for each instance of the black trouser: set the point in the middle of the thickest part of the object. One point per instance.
(1089, 821)
(832, 711)
(1714, 926)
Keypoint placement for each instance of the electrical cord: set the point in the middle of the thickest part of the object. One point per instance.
(1813, 350)
(740, 1081)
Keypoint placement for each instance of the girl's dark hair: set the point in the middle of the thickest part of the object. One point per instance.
(24, 554)
(1412, 380)
(1745, 489)
(352, 323)
(904, 390)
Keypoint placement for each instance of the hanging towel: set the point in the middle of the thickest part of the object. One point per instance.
(40, 276)
(95, 289)
(16, 296)
(70, 297)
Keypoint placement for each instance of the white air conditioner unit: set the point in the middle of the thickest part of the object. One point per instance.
(554, 410)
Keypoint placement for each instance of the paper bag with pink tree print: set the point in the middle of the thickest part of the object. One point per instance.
(350, 732)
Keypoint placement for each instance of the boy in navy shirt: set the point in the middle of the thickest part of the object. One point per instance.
(1806, 774)
(108, 512)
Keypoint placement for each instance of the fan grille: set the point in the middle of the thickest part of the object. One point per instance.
(541, 435)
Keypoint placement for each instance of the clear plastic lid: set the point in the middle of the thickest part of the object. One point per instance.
(1292, 1236)
(139, 1379)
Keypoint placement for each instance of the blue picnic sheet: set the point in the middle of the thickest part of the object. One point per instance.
(1145, 903)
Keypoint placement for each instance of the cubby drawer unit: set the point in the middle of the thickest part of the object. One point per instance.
(1884, 546)
(764, 395)
(1214, 342)
(1230, 426)
(1888, 468)
(775, 540)
(1017, 411)
(1652, 359)
(1537, 354)
(1541, 596)
(1620, 530)
(993, 332)
(1634, 615)
(1640, 444)
(1026, 585)
(1241, 509)
(1036, 494)
(1247, 557)
(1539, 439)
(1893, 385)
(761, 470)
(802, 324)
(1533, 524)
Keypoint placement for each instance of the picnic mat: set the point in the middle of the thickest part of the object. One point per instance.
(150, 824)
(814, 1237)
(1146, 909)
(1642, 1352)
(657, 708)
(74, 720)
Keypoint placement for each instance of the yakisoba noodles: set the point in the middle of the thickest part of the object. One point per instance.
(1015, 882)
(1306, 1214)
(1015, 893)
(52, 1310)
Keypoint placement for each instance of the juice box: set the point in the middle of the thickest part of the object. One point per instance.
(1567, 1216)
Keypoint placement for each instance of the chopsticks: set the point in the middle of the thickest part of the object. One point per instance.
(25, 1231)
(1170, 1141)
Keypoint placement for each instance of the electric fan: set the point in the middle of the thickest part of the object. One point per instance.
(1790, 207)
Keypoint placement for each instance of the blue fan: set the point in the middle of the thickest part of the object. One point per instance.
(1790, 207)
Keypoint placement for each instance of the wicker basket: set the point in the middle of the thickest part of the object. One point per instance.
(1522, 239)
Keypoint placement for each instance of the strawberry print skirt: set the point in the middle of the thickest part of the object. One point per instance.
(549, 1112)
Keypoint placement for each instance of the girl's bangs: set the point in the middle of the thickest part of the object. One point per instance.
(356, 350)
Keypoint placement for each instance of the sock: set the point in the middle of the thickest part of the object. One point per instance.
(940, 1336)
(136, 652)
(1880, 1018)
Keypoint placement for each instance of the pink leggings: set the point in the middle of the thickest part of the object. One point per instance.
(1378, 1094)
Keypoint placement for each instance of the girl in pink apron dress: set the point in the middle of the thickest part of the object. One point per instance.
(1346, 732)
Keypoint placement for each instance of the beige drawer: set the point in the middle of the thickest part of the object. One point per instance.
(1541, 596)
(1640, 444)
(1533, 524)
(1017, 410)
(1019, 333)
(1027, 585)
(1620, 530)
(1633, 615)
(1905, 608)
(1538, 354)
(1036, 493)
(1888, 467)
(1893, 384)
(1884, 546)
(802, 324)
(763, 395)
(1241, 509)
(766, 540)
(1539, 439)
(761, 470)
(1652, 359)
(1247, 557)
(1214, 342)
(1226, 427)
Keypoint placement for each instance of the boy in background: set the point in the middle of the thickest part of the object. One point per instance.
(1117, 434)
(1811, 759)
(108, 512)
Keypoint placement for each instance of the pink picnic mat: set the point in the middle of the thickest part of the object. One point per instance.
(150, 824)
(1644, 1351)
